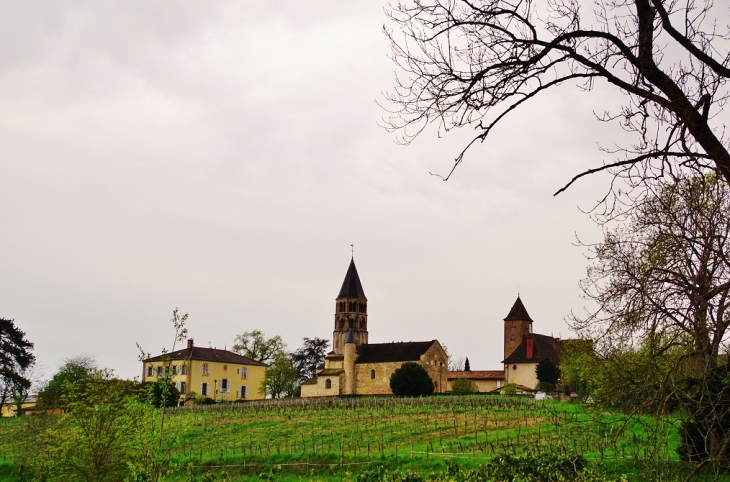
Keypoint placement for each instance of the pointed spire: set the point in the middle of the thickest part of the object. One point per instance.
(351, 287)
(350, 337)
(518, 312)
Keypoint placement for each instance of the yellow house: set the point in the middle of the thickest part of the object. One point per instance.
(10, 407)
(485, 380)
(208, 372)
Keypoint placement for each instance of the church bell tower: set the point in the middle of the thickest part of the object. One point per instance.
(351, 312)
(517, 324)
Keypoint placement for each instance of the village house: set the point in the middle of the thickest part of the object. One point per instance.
(208, 372)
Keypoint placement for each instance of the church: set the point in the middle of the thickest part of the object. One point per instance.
(355, 366)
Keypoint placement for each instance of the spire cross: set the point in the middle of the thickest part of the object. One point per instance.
(352, 249)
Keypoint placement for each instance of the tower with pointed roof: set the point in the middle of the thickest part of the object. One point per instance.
(351, 312)
(517, 325)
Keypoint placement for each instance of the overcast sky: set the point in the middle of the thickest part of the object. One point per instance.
(221, 157)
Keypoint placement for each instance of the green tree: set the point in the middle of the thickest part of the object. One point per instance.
(548, 374)
(474, 63)
(255, 345)
(15, 358)
(73, 374)
(464, 386)
(662, 286)
(281, 378)
(309, 357)
(467, 366)
(94, 439)
(411, 380)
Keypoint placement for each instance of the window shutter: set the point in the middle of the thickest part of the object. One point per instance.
(201, 389)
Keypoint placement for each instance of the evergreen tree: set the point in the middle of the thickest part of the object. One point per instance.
(467, 367)
(15, 358)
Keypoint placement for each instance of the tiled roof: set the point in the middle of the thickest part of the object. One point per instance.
(544, 347)
(477, 375)
(351, 287)
(208, 354)
(392, 352)
(330, 372)
(518, 312)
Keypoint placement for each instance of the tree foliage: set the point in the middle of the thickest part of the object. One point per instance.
(281, 378)
(411, 380)
(72, 375)
(255, 345)
(547, 372)
(661, 284)
(16, 357)
(464, 386)
(474, 63)
(309, 357)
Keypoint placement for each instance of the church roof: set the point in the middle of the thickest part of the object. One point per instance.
(350, 337)
(392, 352)
(543, 347)
(351, 287)
(518, 312)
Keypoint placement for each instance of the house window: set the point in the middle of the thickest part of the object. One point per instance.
(149, 371)
(183, 388)
(205, 369)
(372, 374)
(243, 392)
(204, 389)
(243, 372)
(184, 370)
(225, 386)
(174, 369)
(328, 383)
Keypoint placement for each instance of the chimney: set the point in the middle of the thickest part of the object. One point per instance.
(190, 343)
(530, 347)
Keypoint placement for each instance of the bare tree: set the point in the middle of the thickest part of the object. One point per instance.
(473, 62)
(661, 284)
(255, 345)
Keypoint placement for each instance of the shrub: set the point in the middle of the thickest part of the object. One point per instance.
(510, 389)
(411, 380)
(463, 385)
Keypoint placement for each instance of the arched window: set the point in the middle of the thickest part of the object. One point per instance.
(342, 324)
(362, 325)
(328, 383)
(372, 374)
(512, 337)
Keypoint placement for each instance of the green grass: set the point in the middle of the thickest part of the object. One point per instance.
(333, 439)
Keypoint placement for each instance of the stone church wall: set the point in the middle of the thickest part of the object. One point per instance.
(319, 389)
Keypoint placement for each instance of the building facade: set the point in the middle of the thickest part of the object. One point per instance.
(208, 372)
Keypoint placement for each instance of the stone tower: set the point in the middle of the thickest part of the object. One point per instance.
(351, 312)
(517, 324)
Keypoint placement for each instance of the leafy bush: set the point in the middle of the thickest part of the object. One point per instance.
(157, 390)
(462, 385)
(509, 389)
(411, 380)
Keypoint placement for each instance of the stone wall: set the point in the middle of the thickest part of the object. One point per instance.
(318, 389)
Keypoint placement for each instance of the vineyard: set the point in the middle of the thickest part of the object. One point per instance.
(347, 435)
